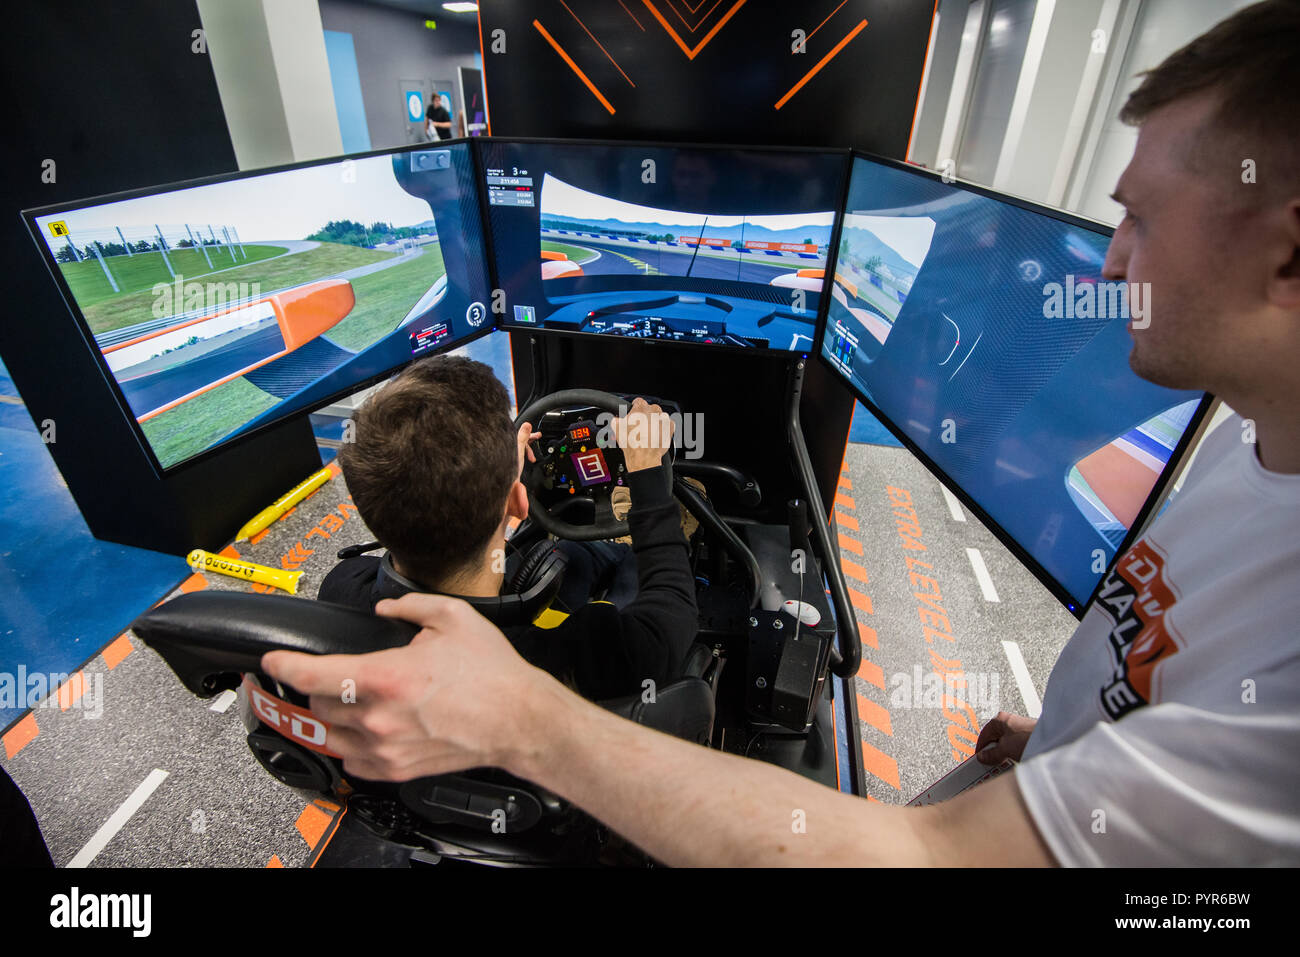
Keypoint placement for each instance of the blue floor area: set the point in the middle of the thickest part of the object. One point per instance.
(66, 594)
(865, 428)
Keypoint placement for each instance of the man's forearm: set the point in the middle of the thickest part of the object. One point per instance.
(687, 805)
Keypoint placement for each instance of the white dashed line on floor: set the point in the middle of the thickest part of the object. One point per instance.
(118, 819)
(982, 574)
(954, 506)
(1033, 706)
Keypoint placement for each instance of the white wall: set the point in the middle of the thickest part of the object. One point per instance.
(950, 18)
(303, 69)
(1030, 106)
(1041, 118)
(273, 77)
(993, 92)
(1162, 26)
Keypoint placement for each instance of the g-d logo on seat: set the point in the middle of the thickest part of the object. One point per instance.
(297, 724)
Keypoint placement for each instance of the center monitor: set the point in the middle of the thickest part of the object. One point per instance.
(982, 331)
(705, 245)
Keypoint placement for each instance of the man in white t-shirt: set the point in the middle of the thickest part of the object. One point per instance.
(1170, 731)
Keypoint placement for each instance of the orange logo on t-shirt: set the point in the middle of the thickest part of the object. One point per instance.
(1136, 596)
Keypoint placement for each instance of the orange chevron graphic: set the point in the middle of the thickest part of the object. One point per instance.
(703, 17)
(575, 68)
(692, 51)
(295, 556)
(821, 63)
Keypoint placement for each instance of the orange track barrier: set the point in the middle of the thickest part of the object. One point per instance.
(303, 313)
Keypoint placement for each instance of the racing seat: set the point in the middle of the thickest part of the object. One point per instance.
(215, 640)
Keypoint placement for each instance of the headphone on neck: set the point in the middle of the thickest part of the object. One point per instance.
(527, 591)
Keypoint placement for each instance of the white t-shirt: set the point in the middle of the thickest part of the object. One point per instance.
(1170, 732)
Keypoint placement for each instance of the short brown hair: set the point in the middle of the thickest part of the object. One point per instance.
(434, 457)
(1251, 62)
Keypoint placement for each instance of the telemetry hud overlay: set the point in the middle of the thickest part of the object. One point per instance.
(985, 333)
(717, 246)
(219, 308)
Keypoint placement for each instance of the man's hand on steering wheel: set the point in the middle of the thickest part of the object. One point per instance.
(526, 438)
(645, 435)
(643, 432)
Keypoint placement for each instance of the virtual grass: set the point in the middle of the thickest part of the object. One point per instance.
(383, 299)
(279, 272)
(576, 253)
(139, 272)
(193, 426)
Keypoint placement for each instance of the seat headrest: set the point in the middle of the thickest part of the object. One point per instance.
(210, 638)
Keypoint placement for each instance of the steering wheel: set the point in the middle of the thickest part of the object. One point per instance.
(606, 525)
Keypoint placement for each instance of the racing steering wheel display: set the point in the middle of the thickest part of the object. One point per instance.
(579, 464)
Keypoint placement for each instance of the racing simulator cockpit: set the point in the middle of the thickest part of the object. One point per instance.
(754, 294)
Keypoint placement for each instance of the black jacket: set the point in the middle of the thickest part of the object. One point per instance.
(604, 651)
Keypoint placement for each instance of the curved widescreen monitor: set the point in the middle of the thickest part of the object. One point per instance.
(221, 306)
(981, 330)
(707, 245)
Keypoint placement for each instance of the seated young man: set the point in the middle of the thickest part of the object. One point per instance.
(434, 472)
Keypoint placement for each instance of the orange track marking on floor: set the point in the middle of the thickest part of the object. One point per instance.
(875, 715)
(312, 823)
(843, 501)
(868, 635)
(21, 735)
(195, 582)
(229, 552)
(872, 800)
(850, 544)
(846, 483)
(880, 764)
(275, 861)
(848, 521)
(854, 570)
(872, 674)
(117, 651)
(70, 691)
(860, 600)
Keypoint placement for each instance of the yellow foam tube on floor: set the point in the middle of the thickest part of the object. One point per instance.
(202, 561)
